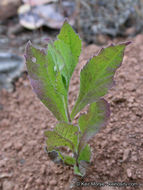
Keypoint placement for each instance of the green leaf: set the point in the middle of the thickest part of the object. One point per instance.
(68, 60)
(55, 140)
(64, 134)
(91, 122)
(50, 74)
(57, 57)
(69, 131)
(96, 77)
(46, 82)
(68, 44)
(85, 154)
(69, 37)
(77, 171)
(69, 160)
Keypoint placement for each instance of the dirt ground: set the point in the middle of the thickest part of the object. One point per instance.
(117, 150)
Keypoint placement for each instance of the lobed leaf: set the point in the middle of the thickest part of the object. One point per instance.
(64, 134)
(96, 77)
(91, 122)
(46, 82)
(69, 131)
(56, 140)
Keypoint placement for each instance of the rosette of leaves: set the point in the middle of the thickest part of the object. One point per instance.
(50, 73)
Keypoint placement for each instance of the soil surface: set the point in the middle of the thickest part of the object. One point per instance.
(117, 150)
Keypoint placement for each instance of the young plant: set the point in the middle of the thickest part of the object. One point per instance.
(50, 73)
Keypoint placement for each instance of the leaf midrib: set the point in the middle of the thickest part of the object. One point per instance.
(83, 97)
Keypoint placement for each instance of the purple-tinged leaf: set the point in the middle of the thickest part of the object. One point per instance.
(91, 122)
(46, 82)
(64, 134)
(96, 77)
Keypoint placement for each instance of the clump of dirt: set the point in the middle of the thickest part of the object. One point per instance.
(117, 150)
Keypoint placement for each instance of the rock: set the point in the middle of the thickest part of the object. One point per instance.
(18, 146)
(11, 66)
(56, 188)
(47, 14)
(36, 187)
(126, 154)
(15, 30)
(32, 143)
(35, 2)
(53, 182)
(125, 144)
(8, 8)
(24, 151)
(7, 185)
(30, 179)
(129, 173)
(59, 171)
(3, 163)
(5, 175)
(38, 181)
(95, 18)
(8, 145)
(22, 161)
(43, 169)
(42, 187)
(27, 186)
(115, 138)
(54, 157)
(5, 123)
(73, 183)
(134, 158)
(65, 178)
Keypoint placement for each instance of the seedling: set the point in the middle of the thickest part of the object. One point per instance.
(50, 73)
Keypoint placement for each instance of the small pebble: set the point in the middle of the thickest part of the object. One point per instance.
(7, 185)
(18, 146)
(129, 173)
(53, 182)
(3, 162)
(22, 161)
(5, 175)
(115, 138)
(126, 154)
(43, 170)
(8, 145)
(38, 181)
(42, 187)
(5, 123)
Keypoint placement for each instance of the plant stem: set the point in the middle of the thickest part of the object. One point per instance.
(76, 159)
(68, 113)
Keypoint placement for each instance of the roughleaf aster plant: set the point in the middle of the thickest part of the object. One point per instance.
(50, 74)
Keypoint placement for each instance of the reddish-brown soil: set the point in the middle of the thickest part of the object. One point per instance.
(117, 150)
